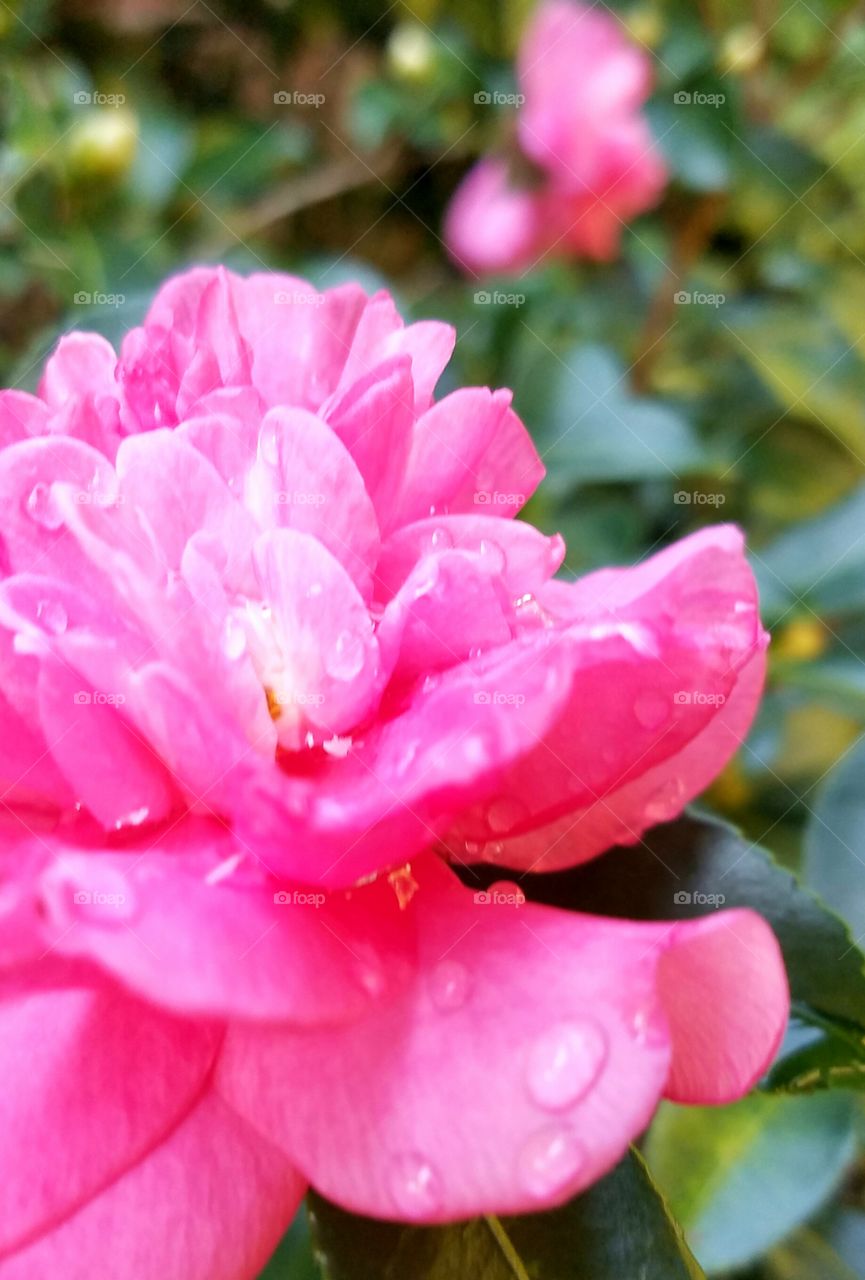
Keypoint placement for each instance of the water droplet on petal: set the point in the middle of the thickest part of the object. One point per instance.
(133, 819)
(449, 985)
(665, 803)
(649, 1028)
(565, 1062)
(268, 443)
(414, 1186)
(551, 1158)
(492, 554)
(52, 615)
(346, 658)
(441, 540)
(504, 814)
(233, 639)
(42, 507)
(652, 709)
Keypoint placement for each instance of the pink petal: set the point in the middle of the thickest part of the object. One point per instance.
(667, 663)
(175, 493)
(305, 479)
(374, 419)
(469, 453)
(523, 555)
(381, 334)
(21, 416)
(325, 670)
(111, 771)
(81, 364)
(95, 1078)
(192, 902)
(545, 1032)
(722, 1045)
(210, 1202)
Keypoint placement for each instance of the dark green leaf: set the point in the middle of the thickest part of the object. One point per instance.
(618, 1229)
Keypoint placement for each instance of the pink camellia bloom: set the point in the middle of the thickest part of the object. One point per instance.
(272, 657)
(583, 83)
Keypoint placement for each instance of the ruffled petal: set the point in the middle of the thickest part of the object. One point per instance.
(547, 1033)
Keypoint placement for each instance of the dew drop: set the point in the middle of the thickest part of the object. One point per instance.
(52, 615)
(441, 540)
(268, 443)
(133, 819)
(665, 803)
(565, 1062)
(233, 639)
(42, 508)
(652, 709)
(504, 814)
(649, 1028)
(449, 985)
(551, 1158)
(346, 658)
(492, 554)
(414, 1186)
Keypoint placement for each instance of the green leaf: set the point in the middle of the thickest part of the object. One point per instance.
(676, 867)
(810, 366)
(834, 1061)
(819, 563)
(740, 1178)
(594, 430)
(619, 1228)
(834, 861)
(807, 1256)
(293, 1259)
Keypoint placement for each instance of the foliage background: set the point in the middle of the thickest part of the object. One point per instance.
(142, 135)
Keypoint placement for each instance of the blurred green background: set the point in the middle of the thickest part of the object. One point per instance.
(715, 371)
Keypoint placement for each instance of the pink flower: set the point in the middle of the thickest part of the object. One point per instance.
(597, 166)
(271, 649)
